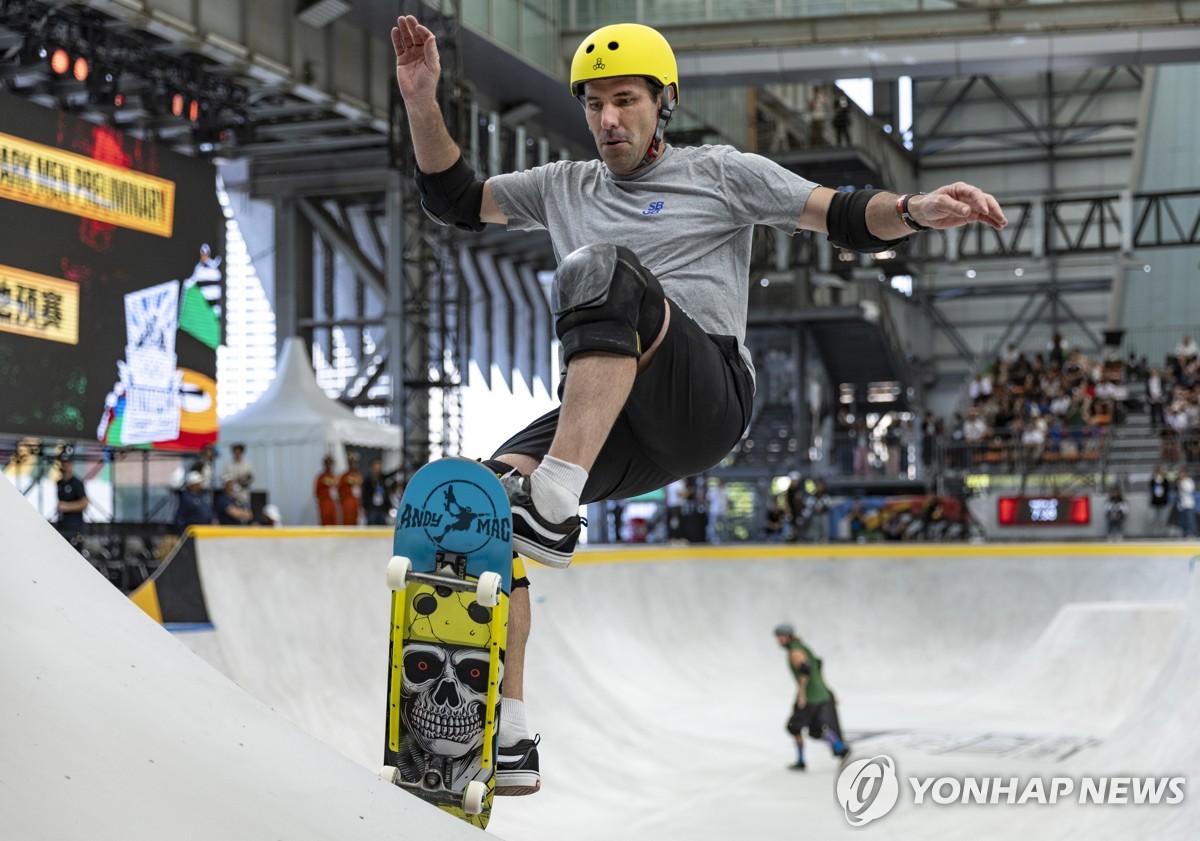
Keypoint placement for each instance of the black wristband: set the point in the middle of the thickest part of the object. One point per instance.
(846, 222)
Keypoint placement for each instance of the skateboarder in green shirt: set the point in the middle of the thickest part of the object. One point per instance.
(814, 707)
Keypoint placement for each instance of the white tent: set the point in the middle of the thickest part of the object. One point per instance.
(292, 427)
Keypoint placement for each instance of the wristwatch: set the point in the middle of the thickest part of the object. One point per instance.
(902, 210)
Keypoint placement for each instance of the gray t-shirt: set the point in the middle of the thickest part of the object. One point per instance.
(689, 217)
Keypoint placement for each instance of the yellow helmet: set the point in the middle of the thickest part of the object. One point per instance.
(624, 49)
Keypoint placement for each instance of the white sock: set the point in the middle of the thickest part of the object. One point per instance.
(512, 722)
(556, 486)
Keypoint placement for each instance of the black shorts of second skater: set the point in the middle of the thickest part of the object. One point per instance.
(685, 413)
(817, 718)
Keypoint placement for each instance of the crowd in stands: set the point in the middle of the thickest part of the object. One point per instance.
(1052, 406)
(1026, 409)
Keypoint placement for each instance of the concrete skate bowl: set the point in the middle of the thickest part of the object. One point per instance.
(660, 694)
(296, 617)
(113, 730)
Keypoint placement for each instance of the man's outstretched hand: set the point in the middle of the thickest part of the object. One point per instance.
(956, 204)
(418, 67)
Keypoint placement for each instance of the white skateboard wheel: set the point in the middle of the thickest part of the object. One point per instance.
(388, 773)
(398, 569)
(473, 797)
(487, 589)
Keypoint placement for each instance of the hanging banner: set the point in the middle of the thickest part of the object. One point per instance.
(69, 183)
(39, 306)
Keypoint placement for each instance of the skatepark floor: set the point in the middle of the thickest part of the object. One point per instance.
(652, 676)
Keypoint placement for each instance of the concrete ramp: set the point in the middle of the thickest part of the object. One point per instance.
(300, 620)
(1084, 674)
(110, 729)
(1161, 737)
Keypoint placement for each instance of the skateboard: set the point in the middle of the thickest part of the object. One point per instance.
(450, 576)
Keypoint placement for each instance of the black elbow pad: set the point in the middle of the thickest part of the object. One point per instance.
(804, 668)
(846, 222)
(453, 197)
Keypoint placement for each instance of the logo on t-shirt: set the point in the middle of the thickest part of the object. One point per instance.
(655, 207)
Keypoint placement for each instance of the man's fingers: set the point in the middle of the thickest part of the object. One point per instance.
(995, 212)
(410, 33)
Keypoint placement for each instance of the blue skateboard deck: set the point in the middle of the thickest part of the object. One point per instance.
(446, 657)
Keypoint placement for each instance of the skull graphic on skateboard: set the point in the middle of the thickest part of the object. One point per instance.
(450, 577)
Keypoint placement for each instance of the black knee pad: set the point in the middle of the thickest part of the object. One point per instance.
(603, 299)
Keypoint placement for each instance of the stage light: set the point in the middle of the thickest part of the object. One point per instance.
(80, 69)
(119, 100)
(177, 104)
(60, 62)
(194, 110)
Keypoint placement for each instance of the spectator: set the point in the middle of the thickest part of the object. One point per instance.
(928, 441)
(205, 465)
(818, 115)
(1156, 397)
(350, 491)
(1160, 502)
(195, 503)
(774, 521)
(857, 519)
(1116, 509)
(975, 428)
(1175, 430)
(1185, 502)
(72, 502)
(1033, 439)
(797, 509)
(862, 450)
(1186, 351)
(841, 120)
(1057, 352)
(716, 500)
(241, 472)
(819, 505)
(377, 490)
(676, 495)
(229, 511)
(325, 490)
(615, 508)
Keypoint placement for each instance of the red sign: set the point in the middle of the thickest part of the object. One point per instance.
(1045, 510)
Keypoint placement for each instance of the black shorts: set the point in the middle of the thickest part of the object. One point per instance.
(817, 718)
(685, 413)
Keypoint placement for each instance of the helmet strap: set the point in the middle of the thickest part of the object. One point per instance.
(664, 116)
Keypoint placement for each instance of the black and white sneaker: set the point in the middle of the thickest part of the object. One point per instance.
(517, 769)
(535, 537)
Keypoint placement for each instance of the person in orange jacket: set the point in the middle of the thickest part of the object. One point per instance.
(350, 492)
(326, 483)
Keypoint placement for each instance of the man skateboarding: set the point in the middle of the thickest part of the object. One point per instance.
(650, 296)
(814, 706)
